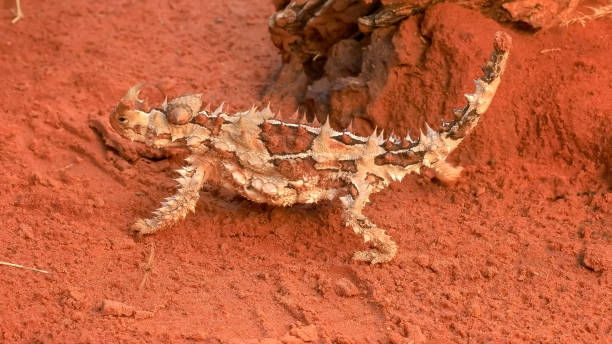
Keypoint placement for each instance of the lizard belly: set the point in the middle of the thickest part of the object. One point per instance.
(275, 189)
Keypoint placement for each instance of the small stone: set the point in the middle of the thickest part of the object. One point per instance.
(345, 288)
(143, 314)
(198, 336)
(75, 294)
(85, 338)
(414, 333)
(306, 333)
(478, 190)
(98, 203)
(474, 309)
(270, 341)
(77, 316)
(26, 230)
(116, 308)
(536, 13)
(289, 339)
(598, 257)
(124, 243)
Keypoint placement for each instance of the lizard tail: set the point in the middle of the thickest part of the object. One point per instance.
(438, 145)
(486, 85)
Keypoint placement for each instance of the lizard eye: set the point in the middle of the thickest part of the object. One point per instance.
(122, 119)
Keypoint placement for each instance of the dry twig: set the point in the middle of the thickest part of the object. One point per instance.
(148, 268)
(19, 13)
(23, 267)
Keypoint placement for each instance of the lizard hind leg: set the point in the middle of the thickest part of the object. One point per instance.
(384, 247)
(176, 207)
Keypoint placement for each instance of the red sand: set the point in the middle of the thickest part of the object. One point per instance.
(518, 251)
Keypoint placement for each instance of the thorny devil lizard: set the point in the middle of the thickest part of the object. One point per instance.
(269, 161)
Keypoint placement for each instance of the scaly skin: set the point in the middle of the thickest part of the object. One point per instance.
(270, 161)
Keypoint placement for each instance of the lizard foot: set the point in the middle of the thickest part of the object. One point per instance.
(144, 227)
(381, 254)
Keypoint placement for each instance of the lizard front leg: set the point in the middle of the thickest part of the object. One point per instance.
(384, 247)
(176, 207)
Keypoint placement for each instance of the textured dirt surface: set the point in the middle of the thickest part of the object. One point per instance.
(517, 251)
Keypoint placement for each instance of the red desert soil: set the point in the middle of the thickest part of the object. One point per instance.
(519, 250)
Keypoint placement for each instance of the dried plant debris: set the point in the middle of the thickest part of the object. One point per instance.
(270, 161)
(23, 267)
(582, 19)
(18, 12)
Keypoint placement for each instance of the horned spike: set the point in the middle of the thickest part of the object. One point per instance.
(303, 116)
(301, 119)
(349, 128)
(251, 111)
(296, 116)
(266, 113)
(394, 177)
(326, 124)
(430, 132)
(374, 135)
(219, 110)
(315, 122)
(346, 201)
(276, 115)
(422, 137)
(165, 103)
(471, 98)
(381, 136)
(133, 92)
(326, 129)
(408, 138)
(182, 181)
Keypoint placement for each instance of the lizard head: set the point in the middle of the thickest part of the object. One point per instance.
(127, 119)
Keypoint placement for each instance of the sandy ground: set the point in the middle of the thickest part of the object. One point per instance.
(519, 250)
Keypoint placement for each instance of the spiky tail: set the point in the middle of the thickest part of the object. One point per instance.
(486, 85)
(432, 148)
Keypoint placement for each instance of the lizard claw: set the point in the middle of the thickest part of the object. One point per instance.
(142, 227)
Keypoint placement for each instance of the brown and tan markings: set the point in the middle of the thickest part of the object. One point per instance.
(270, 161)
